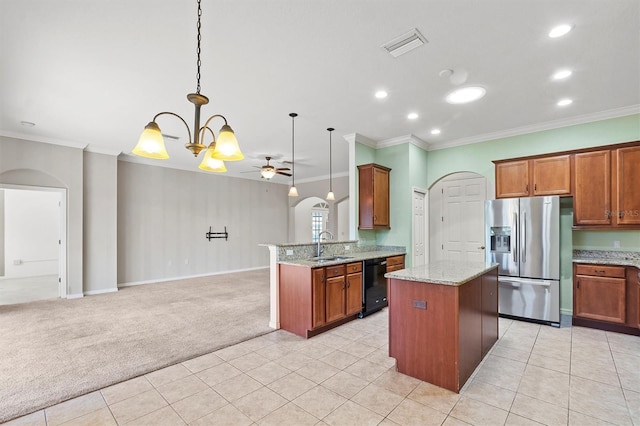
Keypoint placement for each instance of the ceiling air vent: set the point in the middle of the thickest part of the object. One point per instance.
(404, 43)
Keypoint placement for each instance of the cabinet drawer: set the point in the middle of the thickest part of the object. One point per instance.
(352, 268)
(335, 271)
(601, 271)
(395, 261)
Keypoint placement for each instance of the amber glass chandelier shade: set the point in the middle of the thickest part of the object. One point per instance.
(151, 143)
(211, 164)
(227, 147)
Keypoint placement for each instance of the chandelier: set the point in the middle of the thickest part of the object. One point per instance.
(151, 143)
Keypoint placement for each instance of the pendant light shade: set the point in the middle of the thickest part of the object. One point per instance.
(151, 143)
(210, 163)
(293, 191)
(330, 195)
(227, 147)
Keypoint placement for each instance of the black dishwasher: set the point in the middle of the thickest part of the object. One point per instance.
(375, 286)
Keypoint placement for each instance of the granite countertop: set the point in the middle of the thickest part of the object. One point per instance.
(607, 257)
(344, 258)
(445, 272)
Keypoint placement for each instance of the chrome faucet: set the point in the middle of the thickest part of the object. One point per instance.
(320, 238)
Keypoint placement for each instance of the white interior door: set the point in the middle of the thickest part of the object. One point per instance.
(456, 217)
(419, 227)
(463, 219)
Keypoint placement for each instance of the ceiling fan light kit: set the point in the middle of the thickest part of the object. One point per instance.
(226, 148)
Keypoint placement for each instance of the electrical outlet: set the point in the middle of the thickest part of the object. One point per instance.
(347, 247)
(289, 252)
(616, 244)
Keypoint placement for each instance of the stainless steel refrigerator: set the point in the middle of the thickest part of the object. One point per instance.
(523, 237)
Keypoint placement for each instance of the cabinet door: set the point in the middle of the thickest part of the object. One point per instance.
(512, 179)
(354, 293)
(599, 298)
(592, 186)
(627, 184)
(318, 295)
(335, 298)
(380, 197)
(552, 175)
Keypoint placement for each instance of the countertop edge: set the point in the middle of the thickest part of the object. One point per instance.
(405, 275)
(353, 257)
(607, 261)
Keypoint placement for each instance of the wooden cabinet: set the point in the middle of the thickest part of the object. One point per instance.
(592, 186)
(395, 263)
(373, 196)
(599, 293)
(354, 288)
(489, 308)
(626, 186)
(437, 332)
(335, 293)
(534, 177)
(312, 300)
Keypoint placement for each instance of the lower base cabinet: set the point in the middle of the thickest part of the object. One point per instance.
(312, 300)
(440, 333)
(606, 297)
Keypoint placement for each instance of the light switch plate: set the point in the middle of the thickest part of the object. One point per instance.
(289, 252)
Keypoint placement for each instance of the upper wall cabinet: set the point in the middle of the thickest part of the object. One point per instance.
(533, 177)
(592, 183)
(373, 196)
(627, 185)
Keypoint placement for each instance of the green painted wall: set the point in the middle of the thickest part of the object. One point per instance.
(415, 167)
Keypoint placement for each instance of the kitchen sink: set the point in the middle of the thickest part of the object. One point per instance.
(330, 259)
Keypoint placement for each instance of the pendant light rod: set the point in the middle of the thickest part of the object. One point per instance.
(151, 142)
(330, 195)
(293, 191)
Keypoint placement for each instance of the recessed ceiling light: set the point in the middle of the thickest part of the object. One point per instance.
(466, 94)
(412, 115)
(435, 131)
(381, 94)
(564, 102)
(562, 74)
(27, 123)
(560, 30)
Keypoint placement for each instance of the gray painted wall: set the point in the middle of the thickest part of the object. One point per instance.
(31, 163)
(2, 233)
(164, 214)
(100, 222)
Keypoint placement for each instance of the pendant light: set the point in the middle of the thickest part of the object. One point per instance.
(293, 192)
(151, 143)
(330, 195)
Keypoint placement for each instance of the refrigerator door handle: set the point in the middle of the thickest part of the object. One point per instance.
(514, 246)
(509, 281)
(523, 254)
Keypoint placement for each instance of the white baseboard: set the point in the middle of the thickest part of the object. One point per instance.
(94, 292)
(75, 296)
(162, 280)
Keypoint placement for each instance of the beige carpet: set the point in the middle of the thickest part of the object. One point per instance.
(54, 350)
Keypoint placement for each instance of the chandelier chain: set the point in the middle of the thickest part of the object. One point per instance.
(198, 49)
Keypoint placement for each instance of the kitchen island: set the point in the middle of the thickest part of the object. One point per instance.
(443, 320)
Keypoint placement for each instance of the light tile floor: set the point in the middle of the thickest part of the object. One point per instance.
(534, 375)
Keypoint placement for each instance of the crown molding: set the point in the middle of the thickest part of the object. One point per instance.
(412, 139)
(357, 137)
(101, 150)
(548, 125)
(34, 138)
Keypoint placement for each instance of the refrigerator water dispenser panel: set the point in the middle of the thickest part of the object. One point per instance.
(500, 239)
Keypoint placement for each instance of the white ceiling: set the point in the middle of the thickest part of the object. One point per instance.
(93, 73)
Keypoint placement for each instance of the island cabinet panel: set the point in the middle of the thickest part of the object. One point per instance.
(489, 309)
(440, 333)
(423, 339)
(295, 298)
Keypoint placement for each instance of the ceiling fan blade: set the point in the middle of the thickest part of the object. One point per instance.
(283, 173)
(283, 168)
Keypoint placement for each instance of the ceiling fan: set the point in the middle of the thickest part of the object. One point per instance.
(268, 171)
